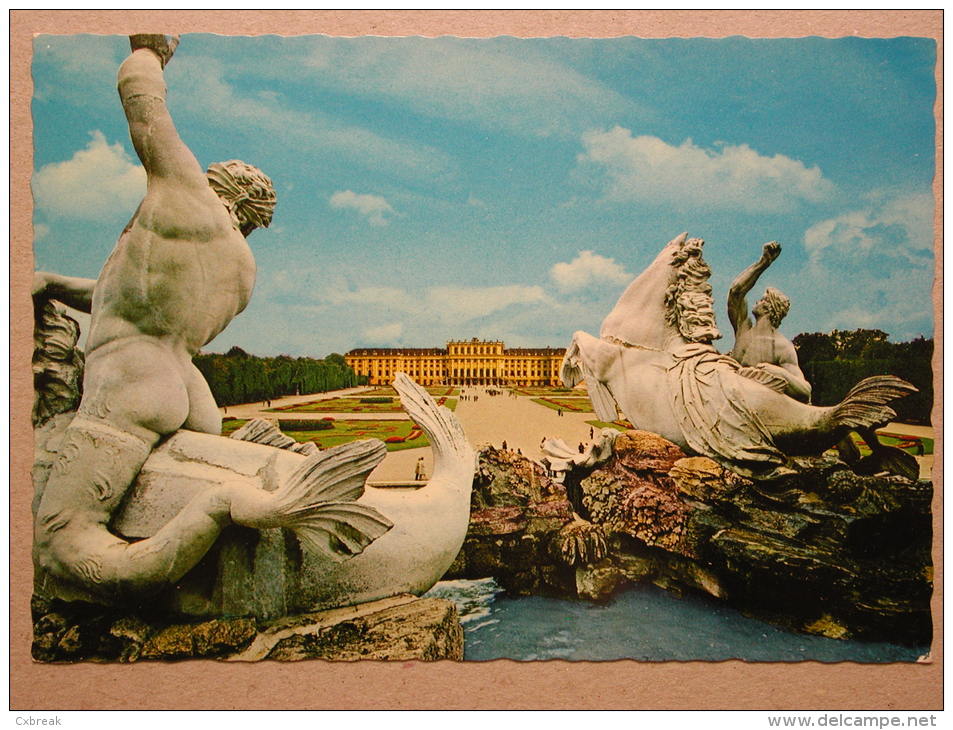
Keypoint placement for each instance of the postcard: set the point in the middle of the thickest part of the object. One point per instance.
(476, 345)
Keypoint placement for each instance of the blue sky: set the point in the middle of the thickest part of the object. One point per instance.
(506, 188)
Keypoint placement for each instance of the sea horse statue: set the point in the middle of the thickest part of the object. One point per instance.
(654, 358)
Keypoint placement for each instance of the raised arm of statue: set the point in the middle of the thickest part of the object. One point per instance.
(71, 290)
(143, 94)
(737, 305)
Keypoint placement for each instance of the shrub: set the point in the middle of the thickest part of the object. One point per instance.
(376, 399)
(302, 424)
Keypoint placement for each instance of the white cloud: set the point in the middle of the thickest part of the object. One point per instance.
(495, 84)
(451, 305)
(873, 267)
(648, 169)
(896, 227)
(588, 269)
(81, 55)
(198, 89)
(99, 181)
(463, 304)
(336, 314)
(372, 207)
(386, 334)
(40, 230)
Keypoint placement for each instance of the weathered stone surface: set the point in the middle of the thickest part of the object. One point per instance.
(215, 638)
(821, 550)
(57, 363)
(645, 451)
(598, 582)
(267, 573)
(633, 492)
(399, 628)
(516, 512)
(702, 479)
(581, 543)
(654, 360)
(426, 629)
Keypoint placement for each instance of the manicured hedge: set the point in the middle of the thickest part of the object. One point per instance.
(834, 362)
(303, 424)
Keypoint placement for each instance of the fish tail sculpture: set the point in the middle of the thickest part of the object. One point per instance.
(317, 502)
(430, 522)
(450, 445)
(865, 406)
(863, 410)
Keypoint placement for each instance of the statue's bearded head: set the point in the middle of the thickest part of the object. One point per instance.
(246, 191)
(774, 305)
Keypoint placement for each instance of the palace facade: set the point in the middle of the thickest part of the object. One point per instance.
(463, 362)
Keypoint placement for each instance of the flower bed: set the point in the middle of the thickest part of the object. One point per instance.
(304, 424)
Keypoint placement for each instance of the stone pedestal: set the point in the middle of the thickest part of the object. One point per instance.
(400, 628)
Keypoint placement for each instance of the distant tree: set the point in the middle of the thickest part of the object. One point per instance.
(857, 343)
(236, 351)
(238, 377)
(813, 346)
(834, 362)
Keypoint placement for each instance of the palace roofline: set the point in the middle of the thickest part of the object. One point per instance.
(357, 352)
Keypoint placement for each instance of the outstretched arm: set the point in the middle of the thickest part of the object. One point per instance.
(143, 95)
(72, 291)
(737, 305)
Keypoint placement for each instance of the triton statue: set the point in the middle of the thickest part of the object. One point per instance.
(765, 354)
(654, 358)
(178, 275)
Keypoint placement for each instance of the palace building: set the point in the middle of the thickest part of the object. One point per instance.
(463, 362)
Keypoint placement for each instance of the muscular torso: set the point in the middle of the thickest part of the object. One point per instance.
(179, 273)
(758, 343)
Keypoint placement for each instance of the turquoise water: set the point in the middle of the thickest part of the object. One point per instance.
(643, 623)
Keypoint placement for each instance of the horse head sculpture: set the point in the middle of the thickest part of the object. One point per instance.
(655, 361)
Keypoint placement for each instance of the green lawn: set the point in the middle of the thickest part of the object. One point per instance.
(568, 404)
(353, 404)
(546, 391)
(434, 390)
(889, 438)
(621, 425)
(347, 430)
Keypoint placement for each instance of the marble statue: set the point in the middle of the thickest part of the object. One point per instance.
(654, 358)
(764, 353)
(179, 273)
(562, 458)
(262, 572)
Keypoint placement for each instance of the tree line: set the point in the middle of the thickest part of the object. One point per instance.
(834, 362)
(238, 377)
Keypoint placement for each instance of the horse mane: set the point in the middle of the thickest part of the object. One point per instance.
(670, 298)
(689, 306)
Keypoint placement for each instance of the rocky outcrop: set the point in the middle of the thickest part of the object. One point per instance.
(821, 550)
(516, 514)
(401, 628)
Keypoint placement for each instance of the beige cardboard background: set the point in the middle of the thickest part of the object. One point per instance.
(443, 685)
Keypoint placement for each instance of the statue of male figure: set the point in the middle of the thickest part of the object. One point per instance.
(766, 355)
(180, 272)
